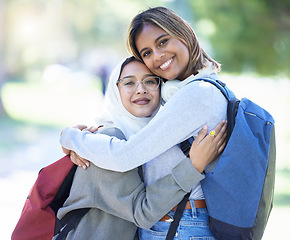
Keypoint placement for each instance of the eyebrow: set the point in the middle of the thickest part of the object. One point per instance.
(129, 76)
(133, 76)
(156, 40)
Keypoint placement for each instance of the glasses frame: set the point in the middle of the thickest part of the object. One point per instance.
(142, 81)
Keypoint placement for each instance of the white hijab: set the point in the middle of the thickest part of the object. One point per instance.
(116, 114)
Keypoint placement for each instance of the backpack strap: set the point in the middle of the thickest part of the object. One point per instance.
(177, 216)
(185, 147)
(220, 85)
(233, 102)
(232, 110)
(63, 191)
(69, 222)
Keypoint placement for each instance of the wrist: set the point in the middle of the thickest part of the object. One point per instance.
(197, 165)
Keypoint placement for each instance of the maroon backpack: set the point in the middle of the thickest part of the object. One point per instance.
(38, 218)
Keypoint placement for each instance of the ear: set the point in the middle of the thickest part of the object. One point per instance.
(169, 88)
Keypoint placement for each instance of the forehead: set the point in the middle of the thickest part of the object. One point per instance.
(149, 32)
(152, 28)
(134, 68)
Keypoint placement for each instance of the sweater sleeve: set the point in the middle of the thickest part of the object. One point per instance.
(193, 106)
(151, 203)
(124, 195)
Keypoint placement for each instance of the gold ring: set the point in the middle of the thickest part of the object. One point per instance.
(212, 133)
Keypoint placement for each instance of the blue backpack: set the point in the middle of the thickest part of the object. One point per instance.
(239, 187)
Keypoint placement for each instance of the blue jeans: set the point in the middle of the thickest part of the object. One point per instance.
(193, 225)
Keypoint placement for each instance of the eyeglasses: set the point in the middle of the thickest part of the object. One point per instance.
(130, 84)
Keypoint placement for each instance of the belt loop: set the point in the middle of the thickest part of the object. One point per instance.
(193, 209)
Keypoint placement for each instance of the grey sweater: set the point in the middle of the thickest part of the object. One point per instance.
(120, 202)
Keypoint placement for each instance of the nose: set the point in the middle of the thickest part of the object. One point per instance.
(158, 55)
(140, 88)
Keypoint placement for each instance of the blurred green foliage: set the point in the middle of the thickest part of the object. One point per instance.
(251, 36)
(243, 35)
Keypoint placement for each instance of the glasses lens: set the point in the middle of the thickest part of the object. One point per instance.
(130, 84)
(151, 83)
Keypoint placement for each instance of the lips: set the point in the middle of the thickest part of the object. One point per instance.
(166, 65)
(141, 101)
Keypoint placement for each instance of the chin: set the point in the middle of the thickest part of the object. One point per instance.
(170, 76)
(143, 114)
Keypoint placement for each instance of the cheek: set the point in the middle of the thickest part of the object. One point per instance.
(185, 51)
(125, 98)
(156, 100)
(149, 64)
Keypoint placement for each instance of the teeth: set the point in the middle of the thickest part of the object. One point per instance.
(164, 65)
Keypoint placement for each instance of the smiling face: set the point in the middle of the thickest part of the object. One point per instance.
(141, 102)
(163, 54)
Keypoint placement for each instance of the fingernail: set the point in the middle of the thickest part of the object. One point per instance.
(87, 164)
(204, 127)
(84, 167)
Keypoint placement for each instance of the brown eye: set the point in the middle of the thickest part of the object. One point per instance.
(163, 42)
(145, 54)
